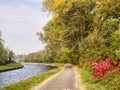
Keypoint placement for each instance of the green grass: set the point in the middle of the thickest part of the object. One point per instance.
(110, 82)
(10, 66)
(31, 82)
(91, 83)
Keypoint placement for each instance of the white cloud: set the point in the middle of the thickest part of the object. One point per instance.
(19, 25)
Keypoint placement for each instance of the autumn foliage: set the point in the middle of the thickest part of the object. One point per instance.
(103, 67)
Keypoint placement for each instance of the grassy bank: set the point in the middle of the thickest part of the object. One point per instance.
(33, 81)
(10, 66)
(110, 82)
(90, 83)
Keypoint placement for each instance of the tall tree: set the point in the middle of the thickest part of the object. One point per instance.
(6, 55)
(80, 26)
(10, 55)
(3, 51)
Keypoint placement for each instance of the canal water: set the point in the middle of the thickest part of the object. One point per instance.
(29, 70)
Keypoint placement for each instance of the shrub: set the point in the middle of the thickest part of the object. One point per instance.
(103, 67)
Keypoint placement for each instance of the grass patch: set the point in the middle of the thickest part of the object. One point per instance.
(31, 82)
(10, 66)
(91, 83)
(111, 81)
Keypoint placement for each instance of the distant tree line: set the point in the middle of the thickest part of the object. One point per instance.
(6, 54)
(35, 57)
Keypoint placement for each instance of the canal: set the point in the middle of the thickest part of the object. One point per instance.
(29, 70)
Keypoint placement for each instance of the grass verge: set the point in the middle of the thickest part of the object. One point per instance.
(110, 82)
(33, 81)
(10, 66)
(91, 84)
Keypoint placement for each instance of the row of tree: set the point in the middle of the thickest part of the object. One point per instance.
(34, 57)
(82, 29)
(6, 54)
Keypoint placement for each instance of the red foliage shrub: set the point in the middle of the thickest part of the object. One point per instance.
(100, 69)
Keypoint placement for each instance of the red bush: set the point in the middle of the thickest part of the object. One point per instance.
(100, 69)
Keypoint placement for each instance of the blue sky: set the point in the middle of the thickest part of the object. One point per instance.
(20, 20)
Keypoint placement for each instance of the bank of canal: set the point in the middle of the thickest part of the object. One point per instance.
(29, 70)
(10, 66)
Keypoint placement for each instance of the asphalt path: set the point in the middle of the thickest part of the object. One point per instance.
(65, 80)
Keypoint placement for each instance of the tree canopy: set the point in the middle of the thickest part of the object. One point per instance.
(81, 29)
(6, 54)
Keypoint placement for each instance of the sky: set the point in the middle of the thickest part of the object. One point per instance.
(20, 20)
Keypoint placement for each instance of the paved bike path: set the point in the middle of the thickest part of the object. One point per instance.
(65, 80)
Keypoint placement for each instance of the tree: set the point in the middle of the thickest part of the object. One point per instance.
(60, 35)
(80, 26)
(6, 55)
(10, 55)
(3, 51)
